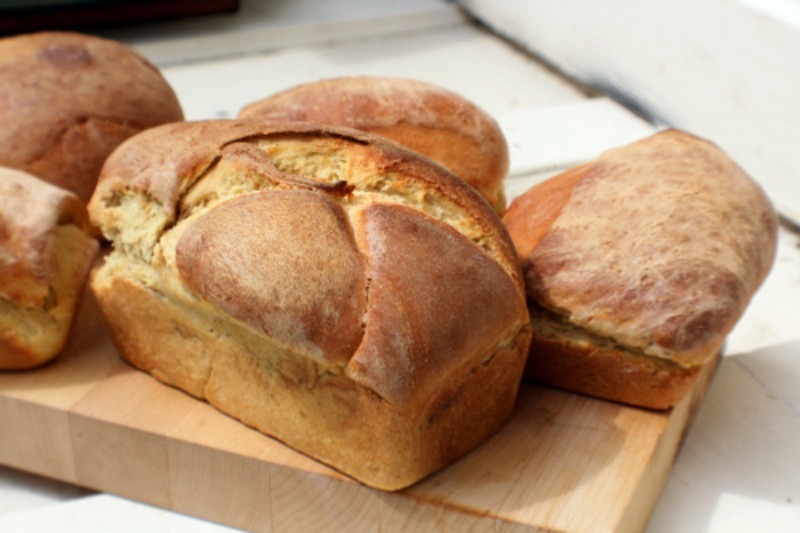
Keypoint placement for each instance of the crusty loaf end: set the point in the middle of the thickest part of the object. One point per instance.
(46, 251)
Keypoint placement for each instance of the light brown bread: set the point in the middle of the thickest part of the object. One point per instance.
(638, 264)
(46, 252)
(428, 119)
(69, 99)
(325, 286)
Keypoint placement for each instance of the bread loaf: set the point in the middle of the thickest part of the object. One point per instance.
(325, 286)
(45, 254)
(428, 119)
(69, 99)
(638, 264)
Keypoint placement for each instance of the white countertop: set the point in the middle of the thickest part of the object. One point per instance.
(739, 467)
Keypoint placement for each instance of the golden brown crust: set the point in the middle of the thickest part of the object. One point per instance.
(657, 246)
(433, 121)
(531, 215)
(328, 416)
(608, 373)
(158, 164)
(438, 314)
(45, 254)
(163, 163)
(303, 279)
(30, 210)
(70, 99)
(262, 278)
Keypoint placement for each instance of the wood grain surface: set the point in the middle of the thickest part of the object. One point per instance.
(564, 462)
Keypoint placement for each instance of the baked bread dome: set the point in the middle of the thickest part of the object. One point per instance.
(326, 286)
(431, 120)
(68, 99)
(638, 264)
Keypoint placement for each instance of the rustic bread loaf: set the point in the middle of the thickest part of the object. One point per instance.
(325, 286)
(46, 251)
(638, 264)
(69, 99)
(433, 121)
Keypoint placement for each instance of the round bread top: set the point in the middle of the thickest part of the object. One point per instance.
(657, 246)
(355, 253)
(68, 99)
(428, 119)
(30, 211)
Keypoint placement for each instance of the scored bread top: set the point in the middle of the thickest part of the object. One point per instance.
(428, 119)
(658, 245)
(355, 253)
(69, 99)
(30, 211)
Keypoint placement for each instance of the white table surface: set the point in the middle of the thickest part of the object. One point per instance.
(739, 467)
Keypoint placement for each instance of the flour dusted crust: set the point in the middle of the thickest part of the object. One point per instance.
(45, 255)
(69, 99)
(325, 286)
(649, 253)
(428, 119)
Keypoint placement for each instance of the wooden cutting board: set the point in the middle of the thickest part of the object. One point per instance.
(564, 462)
